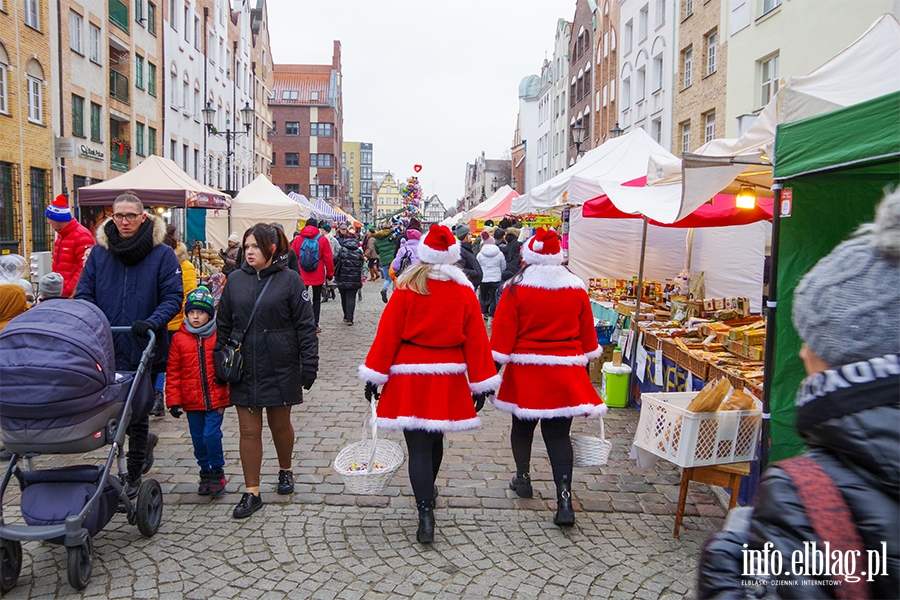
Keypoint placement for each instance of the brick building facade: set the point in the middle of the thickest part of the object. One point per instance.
(581, 77)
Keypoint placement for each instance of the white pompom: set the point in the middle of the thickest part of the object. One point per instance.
(537, 246)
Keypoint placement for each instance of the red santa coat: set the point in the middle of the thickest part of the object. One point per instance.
(422, 351)
(68, 254)
(544, 333)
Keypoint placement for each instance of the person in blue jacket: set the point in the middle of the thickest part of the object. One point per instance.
(135, 279)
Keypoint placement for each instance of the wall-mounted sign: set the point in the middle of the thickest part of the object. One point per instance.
(88, 152)
(64, 148)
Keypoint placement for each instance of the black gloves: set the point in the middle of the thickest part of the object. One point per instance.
(479, 399)
(371, 391)
(219, 381)
(308, 378)
(176, 411)
(140, 328)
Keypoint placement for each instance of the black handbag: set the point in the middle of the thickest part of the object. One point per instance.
(228, 363)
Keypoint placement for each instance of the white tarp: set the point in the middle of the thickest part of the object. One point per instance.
(731, 258)
(616, 161)
(488, 205)
(260, 201)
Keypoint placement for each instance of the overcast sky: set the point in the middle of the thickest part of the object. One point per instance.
(426, 81)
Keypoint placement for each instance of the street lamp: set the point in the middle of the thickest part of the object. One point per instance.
(578, 135)
(616, 131)
(209, 114)
(514, 183)
(316, 183)
(495, 182)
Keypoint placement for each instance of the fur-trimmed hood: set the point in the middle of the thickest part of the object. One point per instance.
(159, 231)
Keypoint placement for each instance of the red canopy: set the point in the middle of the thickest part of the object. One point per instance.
(720, 212)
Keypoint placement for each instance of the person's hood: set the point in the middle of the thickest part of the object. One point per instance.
(383, 233)
(12, 301)
(413, 234)
(490, 250)
(159, 231)
(350, 243)
(466, 245)
(310, 231)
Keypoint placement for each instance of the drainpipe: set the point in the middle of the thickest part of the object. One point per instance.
(234, 110)
(206, 89)
(62, 121)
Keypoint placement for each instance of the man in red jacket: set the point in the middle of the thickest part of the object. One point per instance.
(72, 239)
(323, 259)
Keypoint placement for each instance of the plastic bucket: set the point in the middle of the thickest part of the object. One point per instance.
(614, 388)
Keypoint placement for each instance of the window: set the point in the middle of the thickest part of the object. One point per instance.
(9, 192)
(314, 95)
(640, 84)
(139, 11)
(95, 121)
(318, 191)
(209, 46)
(769, 79)
(292, 159)
(709, 130)
(643, 22)
(687, 59)
(629, 31)
(320, 160)
(197, 103)
(320, 129)
(187, 30)
(151, 18)
(685, 137)
(273, 159)
(656, 130)
(626, 93)
(139, 139)
(94, 32)
(197, 33)
(292, 187)
(688, 8)
(290, 95)
(75, 26)
(712, 40)
(139, 71)
(41, 237)
(151, 141)
(196, 164)
(35, 99)
(365, 172)
(173, 15)
(606, 44)
(612, 90)
(151, 79)
(185, 94)
(32, 14)
(77, 116)
(768, 5)
(292, 128)
(660, 13)
(174, 87)
(185, 152)
(4, 95)
(657, 72)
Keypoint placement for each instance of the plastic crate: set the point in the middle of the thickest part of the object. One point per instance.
(691, 439)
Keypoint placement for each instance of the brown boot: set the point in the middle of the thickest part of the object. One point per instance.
(373, 274)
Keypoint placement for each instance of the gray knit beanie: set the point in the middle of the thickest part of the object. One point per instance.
(50, 285)
(847, 308)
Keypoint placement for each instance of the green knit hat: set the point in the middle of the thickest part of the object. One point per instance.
(201, 299)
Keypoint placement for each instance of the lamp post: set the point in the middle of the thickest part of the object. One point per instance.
(209, 113)
(616, 131)
(514, 183)
(578, 135)
(316, 183)
(494, 184)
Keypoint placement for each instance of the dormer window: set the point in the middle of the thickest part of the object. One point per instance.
(314, 95)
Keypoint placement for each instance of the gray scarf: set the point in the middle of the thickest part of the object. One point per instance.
(205, 331)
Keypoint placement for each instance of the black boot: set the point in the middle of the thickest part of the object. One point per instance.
(425, 534)
(565, 514)
(159, 404)
(521, 485)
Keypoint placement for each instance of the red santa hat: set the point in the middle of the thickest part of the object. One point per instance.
(439, 247)
(543, 248)
(59, 210)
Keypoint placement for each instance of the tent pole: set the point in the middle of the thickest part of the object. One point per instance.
(635, 318)
(690, 249)
(771, 307)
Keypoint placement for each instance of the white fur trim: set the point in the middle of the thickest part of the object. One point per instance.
(491, 384)
(427, 254)
(550, 277)
(596, 353)
(579, 360)
(401, 423)
(531, 414)
(428, 369)
(500, 357)
(453, 273)
(534, 258)
(371, 376)
(537, 246)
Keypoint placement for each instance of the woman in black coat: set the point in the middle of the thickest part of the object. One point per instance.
(348, 268)
(280, 351)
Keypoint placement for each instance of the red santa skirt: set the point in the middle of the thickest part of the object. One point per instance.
(431, 402)
(548, 391)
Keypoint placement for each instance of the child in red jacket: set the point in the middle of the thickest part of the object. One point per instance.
(190, 387)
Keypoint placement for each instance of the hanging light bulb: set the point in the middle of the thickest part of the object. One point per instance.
(746, 197)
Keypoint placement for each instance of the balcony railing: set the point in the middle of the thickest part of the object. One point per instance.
(118, 14)
(118, 86)
(119, 160)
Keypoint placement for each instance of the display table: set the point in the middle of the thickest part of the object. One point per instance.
(726, 476)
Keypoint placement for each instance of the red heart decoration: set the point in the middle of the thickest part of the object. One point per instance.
(417, 168)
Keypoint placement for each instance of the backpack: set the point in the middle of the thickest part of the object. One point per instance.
(309, 254)
(404, 262)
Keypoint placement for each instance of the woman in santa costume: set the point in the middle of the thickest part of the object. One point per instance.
(431, 335)
(544, 333)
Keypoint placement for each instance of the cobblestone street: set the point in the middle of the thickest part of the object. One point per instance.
(323, 543)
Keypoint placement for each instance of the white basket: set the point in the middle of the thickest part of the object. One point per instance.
(381, 458)
(590, 451)
(691, 439)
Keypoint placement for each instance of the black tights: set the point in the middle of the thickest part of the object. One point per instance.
(556, 437)
(426, 451)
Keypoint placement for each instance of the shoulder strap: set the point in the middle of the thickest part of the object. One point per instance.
(830, 517)
(238, 336)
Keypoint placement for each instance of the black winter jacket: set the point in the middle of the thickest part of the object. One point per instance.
(853, 434)
(513, 254)
(348, 265)
(281, 343)
(469, 263)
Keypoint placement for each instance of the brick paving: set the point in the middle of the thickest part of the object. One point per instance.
(323, 543)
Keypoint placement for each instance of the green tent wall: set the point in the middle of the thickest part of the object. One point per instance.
(837, 166)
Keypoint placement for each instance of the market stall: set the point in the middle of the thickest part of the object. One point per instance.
(496, 207)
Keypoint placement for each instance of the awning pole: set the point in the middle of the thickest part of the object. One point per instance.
(771, 307)
(635, 318)
(690, 249)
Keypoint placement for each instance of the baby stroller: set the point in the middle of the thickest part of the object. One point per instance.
(60, 394)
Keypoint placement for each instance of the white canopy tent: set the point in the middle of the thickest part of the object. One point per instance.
(615, 161)
(486, 207)
(258, 202)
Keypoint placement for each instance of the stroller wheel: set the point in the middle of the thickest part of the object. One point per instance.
(149, 507)
(10, 564)
(79, 564)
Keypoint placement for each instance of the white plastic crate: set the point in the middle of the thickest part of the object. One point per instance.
(691, 439)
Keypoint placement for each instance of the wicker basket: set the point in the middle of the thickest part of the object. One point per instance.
(380, 459)
(590, 451)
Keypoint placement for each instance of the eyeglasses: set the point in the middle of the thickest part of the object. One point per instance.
(130, 217)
